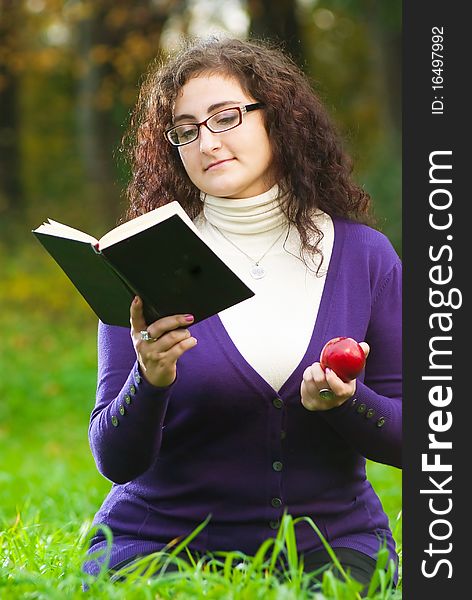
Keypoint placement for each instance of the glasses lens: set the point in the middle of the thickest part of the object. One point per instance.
(226, 119)
(182, 134)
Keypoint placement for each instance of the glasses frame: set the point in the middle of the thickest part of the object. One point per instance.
(242, 110)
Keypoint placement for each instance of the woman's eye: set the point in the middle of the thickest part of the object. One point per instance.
(186, 134)
(226, 119)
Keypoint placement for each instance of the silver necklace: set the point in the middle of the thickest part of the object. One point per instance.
(257, 271)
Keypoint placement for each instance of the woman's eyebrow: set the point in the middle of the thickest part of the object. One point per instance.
(210, 109)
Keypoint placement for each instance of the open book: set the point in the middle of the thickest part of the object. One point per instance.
(159, 256)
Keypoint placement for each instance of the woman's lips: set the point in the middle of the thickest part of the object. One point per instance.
(217, 163)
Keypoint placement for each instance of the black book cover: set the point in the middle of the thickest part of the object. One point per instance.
(167, 265)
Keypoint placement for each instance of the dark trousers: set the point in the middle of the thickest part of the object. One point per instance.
(360, 566)
(356, 564)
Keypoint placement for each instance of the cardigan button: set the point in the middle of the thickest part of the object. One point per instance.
(132, 390)
(121, 408)
(114, 421)
(275, 524)
(370, 413)
(381, 422)
(277, 465)
(276, 502)
(278, 402)
(361, 408)
(137, 377)
(128, 399)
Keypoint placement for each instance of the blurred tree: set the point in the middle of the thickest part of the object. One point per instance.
(277, 21)
(353, 57)
(384, 26)
(69, 74)
(11, 189)
(115, 41)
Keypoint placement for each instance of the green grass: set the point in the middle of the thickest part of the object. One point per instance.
(51, 489)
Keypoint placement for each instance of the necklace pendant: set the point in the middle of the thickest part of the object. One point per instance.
(257, 272)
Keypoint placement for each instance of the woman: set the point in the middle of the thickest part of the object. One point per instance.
(225, 417)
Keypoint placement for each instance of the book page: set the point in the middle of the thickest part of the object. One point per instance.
(145, 221)
(57, 229)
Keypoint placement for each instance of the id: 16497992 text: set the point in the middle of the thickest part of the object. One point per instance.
(437, 68)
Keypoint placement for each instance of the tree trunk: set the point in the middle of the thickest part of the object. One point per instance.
(277, 21)
(100, 129)
(11, 189)
(96, 150)
(386, 35)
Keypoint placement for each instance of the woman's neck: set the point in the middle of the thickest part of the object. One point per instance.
(246, 215)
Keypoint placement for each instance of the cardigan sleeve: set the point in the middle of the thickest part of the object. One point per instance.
(126, 423)
(372, 419)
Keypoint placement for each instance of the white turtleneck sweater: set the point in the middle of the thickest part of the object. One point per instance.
(272, 329)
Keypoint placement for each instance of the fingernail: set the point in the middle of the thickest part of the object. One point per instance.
(189, 318)
(136, 300)
(327, 370)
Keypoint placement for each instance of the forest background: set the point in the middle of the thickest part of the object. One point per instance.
(69, 76)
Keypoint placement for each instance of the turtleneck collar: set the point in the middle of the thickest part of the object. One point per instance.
(246, 215)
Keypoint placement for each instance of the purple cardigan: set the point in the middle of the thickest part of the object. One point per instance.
(220, 441)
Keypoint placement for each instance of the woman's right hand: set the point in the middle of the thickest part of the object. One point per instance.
(158, 358)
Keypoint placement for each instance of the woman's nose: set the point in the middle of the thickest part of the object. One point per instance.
(209, 141)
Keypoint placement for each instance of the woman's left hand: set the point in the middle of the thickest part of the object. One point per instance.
(315, 380)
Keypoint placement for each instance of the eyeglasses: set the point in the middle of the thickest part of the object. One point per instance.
(223, 120)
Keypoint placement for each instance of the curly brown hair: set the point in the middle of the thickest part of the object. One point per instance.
(314, 171)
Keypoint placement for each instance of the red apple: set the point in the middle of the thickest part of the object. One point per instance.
(344, 356)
